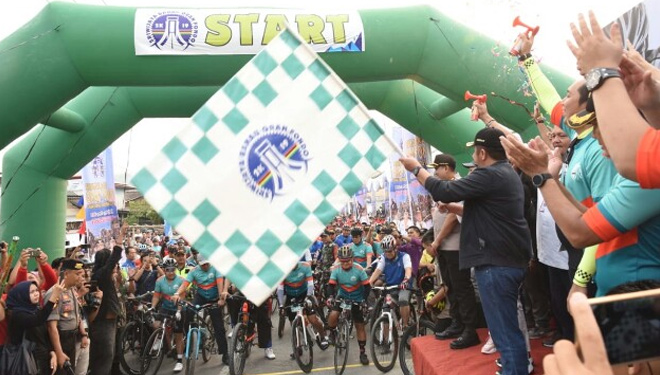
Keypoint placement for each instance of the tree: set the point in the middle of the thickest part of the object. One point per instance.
(140, 212)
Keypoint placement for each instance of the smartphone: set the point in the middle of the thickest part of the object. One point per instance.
(630, 325)
(34, 253)
(93, 286)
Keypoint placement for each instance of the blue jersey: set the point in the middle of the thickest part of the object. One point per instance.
(351, 282)
(295, 283)
(206, 282)
(342, 240)
(165, 289)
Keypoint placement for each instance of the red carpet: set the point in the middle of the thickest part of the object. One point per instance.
(434, 357)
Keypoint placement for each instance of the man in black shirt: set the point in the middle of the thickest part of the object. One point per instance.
(495, 238)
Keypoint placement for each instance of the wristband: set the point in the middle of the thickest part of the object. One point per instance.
(524, 57)
(489, 122)
(582, 278)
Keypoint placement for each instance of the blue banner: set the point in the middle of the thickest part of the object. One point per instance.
(100, 208)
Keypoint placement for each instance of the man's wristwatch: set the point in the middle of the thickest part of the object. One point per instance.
(540, 179)
(597, 76)
(416, 170)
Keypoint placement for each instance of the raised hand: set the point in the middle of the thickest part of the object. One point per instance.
(592, 48)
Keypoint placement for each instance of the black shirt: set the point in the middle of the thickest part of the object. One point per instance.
(110, 301)
(33, 325)
(493, 231)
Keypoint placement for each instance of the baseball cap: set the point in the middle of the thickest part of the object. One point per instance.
(488, 138)
(202, 260)
(442, 160)
(469, 165)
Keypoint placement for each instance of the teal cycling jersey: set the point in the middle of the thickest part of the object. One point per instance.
(206, 282)
(351, 282)
(360, 252)
(295, 283)
(165, 289)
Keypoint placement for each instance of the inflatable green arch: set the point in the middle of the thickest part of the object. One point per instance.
(87, 87)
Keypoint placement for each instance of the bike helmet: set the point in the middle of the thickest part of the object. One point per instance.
(169, 263)
(388, 243)
(345, 252)
(142, 247)
(438, 307)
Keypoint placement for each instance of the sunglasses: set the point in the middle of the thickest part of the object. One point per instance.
(170, 269)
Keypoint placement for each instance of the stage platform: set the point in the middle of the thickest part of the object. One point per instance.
(435, 357)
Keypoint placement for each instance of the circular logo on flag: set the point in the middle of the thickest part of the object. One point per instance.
(172, 30)
(272, 159)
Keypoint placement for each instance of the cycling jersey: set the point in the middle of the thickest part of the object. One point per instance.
(165, 289)
(297, 281)
(360, 252)
(206, 282)
(394, 269)
(351, 282)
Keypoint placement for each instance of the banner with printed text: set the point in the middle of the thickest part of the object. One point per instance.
(100, 208)
(242, 31)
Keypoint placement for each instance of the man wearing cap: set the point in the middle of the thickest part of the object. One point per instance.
(345, 237)
(447, 230)
(495, 238)
(211, 288)
(65, 321)
(182, 268)
(327, 255)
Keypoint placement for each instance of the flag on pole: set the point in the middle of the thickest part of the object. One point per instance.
(265, 164)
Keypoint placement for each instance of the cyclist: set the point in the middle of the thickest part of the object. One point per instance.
(167, 287)
(350, 282)
(211, 288)
(298, 287)
(362, 251)
(345, 237)
(397, 269)
(182, 269)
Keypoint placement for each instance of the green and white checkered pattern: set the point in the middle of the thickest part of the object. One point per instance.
(195, 181)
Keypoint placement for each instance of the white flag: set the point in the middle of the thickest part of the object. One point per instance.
(265, 164)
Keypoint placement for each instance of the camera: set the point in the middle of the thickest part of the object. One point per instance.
(34, 253)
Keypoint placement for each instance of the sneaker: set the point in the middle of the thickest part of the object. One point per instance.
(530, 365)
(452, 332)
(324, 344)
(269, 353)
(178, 367)
(550, 341)
(538, 332)
(466, 340)
(489, 347)
(364, 359)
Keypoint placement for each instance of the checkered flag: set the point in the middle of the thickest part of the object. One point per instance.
(269, 160)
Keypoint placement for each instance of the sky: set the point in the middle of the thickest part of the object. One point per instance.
(490, 17)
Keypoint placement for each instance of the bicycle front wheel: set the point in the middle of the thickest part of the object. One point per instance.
(384, 344)
(153, 353)
(426, 327)
(341, 346)
(192, 350)
(238, 349)
(131, 342)
(302, 351)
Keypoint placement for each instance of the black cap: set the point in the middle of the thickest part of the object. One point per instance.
(488, 138)
(441, 160)
(356, 232)
(72, 264)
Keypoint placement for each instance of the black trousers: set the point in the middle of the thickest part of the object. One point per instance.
(537, 289)
(462, 300)
(102, 339)
(560, 285)
(68, 343)
(218, 324)
(260, 315)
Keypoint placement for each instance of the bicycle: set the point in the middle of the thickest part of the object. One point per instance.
(343, 336)
(134, 335)
(242, 338)
(384, 336)
(424, 326)
(154, 351)
(200, 334)
(321, 279)
(302, 335)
